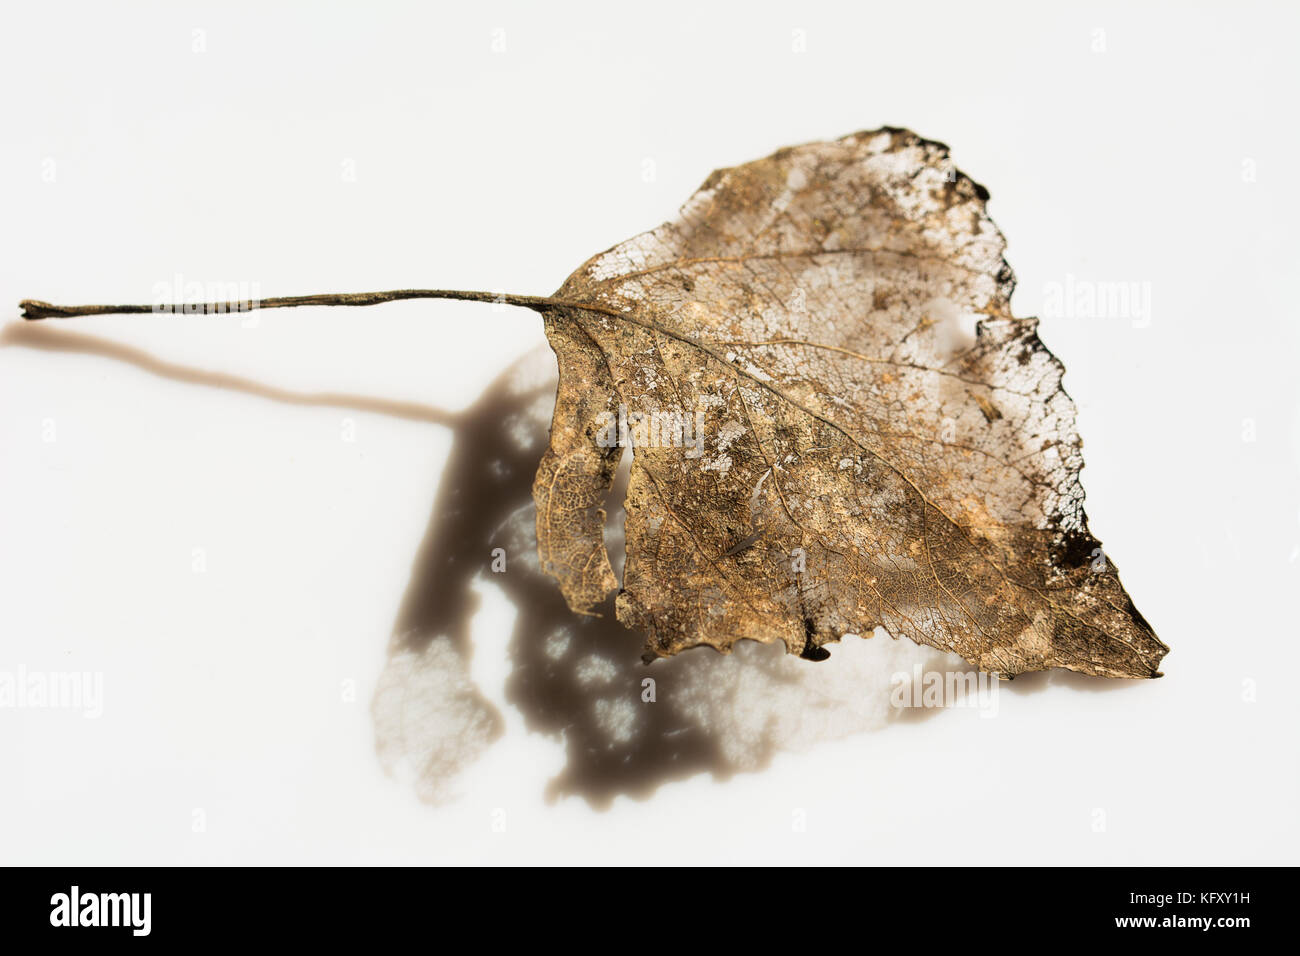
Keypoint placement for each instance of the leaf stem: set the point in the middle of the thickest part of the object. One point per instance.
(34, 309)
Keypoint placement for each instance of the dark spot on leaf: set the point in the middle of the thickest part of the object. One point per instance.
(1074, 549)
(811, 652)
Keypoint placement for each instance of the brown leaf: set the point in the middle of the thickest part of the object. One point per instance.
(870, 454)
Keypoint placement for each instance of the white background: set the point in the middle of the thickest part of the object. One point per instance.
(239, 718)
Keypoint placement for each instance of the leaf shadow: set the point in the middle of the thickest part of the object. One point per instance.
(1036, 682)
(581, 679)
(572, 678)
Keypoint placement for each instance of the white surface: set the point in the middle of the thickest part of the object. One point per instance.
(223, 691)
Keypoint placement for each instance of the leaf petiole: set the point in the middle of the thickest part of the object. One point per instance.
(35, 309)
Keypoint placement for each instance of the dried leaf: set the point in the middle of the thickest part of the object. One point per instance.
(882, 442)
(837, 423)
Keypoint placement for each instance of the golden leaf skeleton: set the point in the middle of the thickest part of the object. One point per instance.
(859, 432)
